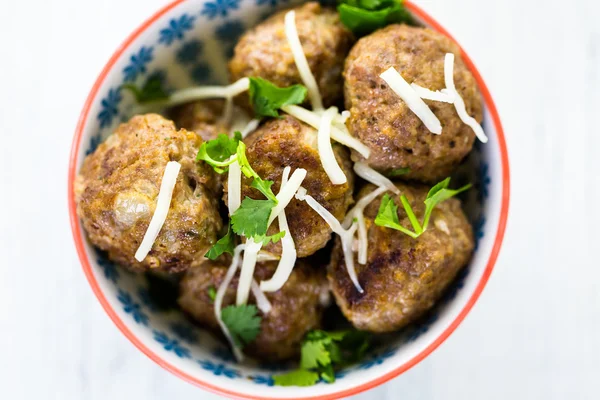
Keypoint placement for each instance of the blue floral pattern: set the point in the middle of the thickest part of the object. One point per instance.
(189, 52)
(262, 379)
(110, 269)
(185, 332)
(133, 308)
(224, 354)
(484, 181)
(171, 344)
(219, 8)
(219, 369)
(109, 107)
(176, 29)
(377, 358)
(201, 74)
(138, 64)
(228, 34)
(479, 230)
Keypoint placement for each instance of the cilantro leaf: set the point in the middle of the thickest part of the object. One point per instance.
(265, 240)
(299, 377)
(365, 16)
(252, 217)
(152, 91)
(267, 98)
(262, 185)
(313, 354)
(223, 245)
(212, 293)
(217, 152)
(398, 172)
(387, 216)
(438, 194)
(242, 322)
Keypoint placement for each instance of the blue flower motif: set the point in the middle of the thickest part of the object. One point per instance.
(271, 3)
(189, 52)
(275, 366)
(176, 29)
(484, 181)
(229, 33)
(421, 328)
(219, 369)
(185, 332)
(377, 358)
(171, 345)
(459, 283)
(478, 228)
(133, 308)
(110, 269)
(201, 73)
(146, 299)
(138, 63)
(109, 107)
(94, 143)
(224, 354)
(262, 379)
(213, 9)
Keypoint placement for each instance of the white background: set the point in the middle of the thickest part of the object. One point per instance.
(534, 334)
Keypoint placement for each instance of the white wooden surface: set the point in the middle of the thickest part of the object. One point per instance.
(535, 333)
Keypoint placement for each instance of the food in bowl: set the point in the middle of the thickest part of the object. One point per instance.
(285, 188)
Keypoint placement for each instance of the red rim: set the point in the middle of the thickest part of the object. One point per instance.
(76, 229)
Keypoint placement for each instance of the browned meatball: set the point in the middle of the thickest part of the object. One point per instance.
(380, 118)
(289, 142)
(202, 117)
(264, 51)
(117, 188)
(296, 308)
(403, 277)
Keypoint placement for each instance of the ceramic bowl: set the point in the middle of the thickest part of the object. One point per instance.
(189, 42)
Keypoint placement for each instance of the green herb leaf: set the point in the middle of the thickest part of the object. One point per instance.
(313, 354)
(217, 152)
(299, 377)
(212, 293)
(438, 194)
(152, 91)
(365, 16)
(387, 216)
(398, 172)
(252, 217)
(262, 185)
(223, 245)
(242, 322)
(267, 98)
(265, 240)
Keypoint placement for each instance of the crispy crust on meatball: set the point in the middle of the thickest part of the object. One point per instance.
(202, 117)
(296, 308)
(117, 188)
(264, 51)
(289, 142)
(380, 118)
(403, 277)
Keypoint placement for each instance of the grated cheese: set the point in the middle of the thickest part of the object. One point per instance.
(249, 262)
(300, 60)
(288, 250)
(370, 175)
(250, 127)
(208, 92)
(438, 95)
(459, 103)
(287, 192)
(163, 204)
(397, 83)
(263, 304)
(234, 187)
(326, 154)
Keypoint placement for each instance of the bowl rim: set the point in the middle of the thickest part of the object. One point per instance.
(87, 269)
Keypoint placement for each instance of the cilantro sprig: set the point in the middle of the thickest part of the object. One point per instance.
(321, 353)
(365, 16)
(267, 98)
(387, 215)
(217, 152)
(151, 91)
(224, 245)
(243, 323)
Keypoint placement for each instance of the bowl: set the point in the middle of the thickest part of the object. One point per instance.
(188, 42)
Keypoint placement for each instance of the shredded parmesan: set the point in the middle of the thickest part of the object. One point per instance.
(370, 175)
(300, 60)
(221, 294)
(397, 83)
(346, 236)
(426, 94)
(250, 127)
(459, 103)
(326, 154)
(234, 187)
(263, 304)
(266, 256)
(162, 209)
(287, 192)
(239, 121)
(288, 250)
(247, 271)
(338, 133)
(208, 92)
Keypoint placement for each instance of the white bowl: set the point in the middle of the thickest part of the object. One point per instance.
(189, 41)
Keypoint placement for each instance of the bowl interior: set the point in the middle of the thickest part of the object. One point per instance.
(188, 43)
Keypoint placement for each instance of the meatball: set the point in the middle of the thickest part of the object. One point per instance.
(289, 142)
(296, 308)
(264, 51)
(202, 117)
(117, 188)
(403, 277)
(380, 118)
